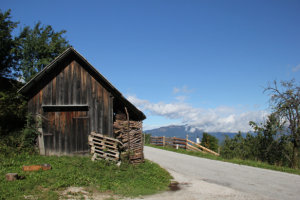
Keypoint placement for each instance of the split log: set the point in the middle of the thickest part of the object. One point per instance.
(37, 167)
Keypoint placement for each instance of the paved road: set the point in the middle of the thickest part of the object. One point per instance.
(208, 179)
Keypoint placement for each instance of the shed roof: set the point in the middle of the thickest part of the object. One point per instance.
(54, 68)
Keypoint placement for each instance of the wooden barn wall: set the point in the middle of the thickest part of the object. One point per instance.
(73, 86)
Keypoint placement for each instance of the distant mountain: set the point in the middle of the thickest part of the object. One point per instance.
(192, 132)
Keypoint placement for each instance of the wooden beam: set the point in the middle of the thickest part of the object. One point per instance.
(204, 148)
(192, 147)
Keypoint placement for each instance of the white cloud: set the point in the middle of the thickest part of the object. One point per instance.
(296, 68)
(220, 119)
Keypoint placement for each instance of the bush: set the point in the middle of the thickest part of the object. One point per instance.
(12, 107)
(210, 142)
(147, 138)
(22, 141)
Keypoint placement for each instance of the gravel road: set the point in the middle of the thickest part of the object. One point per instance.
(201, 178)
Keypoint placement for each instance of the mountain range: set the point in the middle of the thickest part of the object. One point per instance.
(181, 131)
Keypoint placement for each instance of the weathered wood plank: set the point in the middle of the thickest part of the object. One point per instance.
(93, 104)
(78, 83)
(73, 137)
(89, 101)
(57, 90)
(66, 85)
(57, 134)
(86, 132)
(83, 86)
(62, 93)
(53, 91)
(74, 83)
(105, 112)
(100, 108)
(102, 136)
(110, 114)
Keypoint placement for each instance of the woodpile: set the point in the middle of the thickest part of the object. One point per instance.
(126, 144)
(104, 147)
(130, 134)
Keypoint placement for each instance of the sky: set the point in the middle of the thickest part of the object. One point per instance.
(204, 63)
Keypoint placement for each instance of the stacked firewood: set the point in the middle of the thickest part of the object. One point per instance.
(130, 134)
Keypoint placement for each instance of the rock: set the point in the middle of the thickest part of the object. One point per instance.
(11, 176)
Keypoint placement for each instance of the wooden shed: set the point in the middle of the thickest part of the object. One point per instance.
(71, 99)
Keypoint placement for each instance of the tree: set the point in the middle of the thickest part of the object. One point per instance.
(37, 47)
(12, 105)
(7, 44)
(235, 147)
(22, 56)
(271, 141)
(210, 142)
(286, 104)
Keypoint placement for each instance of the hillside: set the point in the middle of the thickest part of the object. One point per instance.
(183, 130)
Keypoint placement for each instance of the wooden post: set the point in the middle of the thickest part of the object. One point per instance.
(128, 135)
(172, 141)
(164, 140)
(41, 144)
(186, 141)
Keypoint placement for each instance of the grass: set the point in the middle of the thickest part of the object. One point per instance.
(235, 160)
(126, 180)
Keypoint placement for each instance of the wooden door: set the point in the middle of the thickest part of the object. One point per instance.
(66, 132)
(80, 126)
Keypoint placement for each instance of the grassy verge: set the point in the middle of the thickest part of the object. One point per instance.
(236, 161)
(126, 180)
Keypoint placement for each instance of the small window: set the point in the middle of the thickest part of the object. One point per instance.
(64, 108)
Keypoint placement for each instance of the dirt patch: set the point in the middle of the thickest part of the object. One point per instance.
(86, 194)
(174, 186)
(75, 193)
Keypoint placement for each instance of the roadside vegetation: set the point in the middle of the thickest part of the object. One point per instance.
(277, 140)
